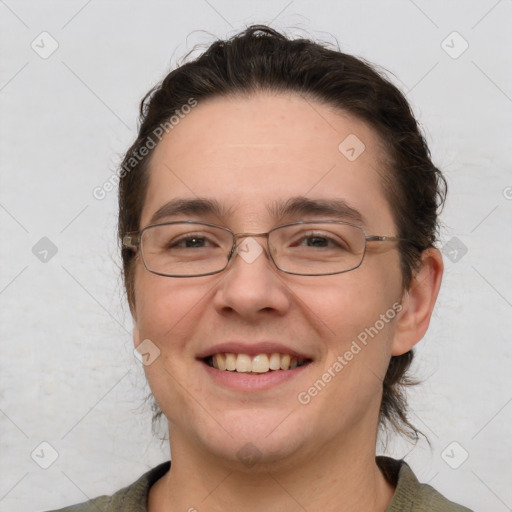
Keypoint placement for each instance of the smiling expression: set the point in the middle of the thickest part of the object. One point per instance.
(236, 348)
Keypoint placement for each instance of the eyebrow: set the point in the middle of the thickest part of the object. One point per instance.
(294, 207)
(199, 206)
(303, 206)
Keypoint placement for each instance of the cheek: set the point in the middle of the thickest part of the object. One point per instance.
(357, 313)
(167, 314)
(166, 306)
(348, 303)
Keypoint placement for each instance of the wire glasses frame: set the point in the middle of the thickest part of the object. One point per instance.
(135, 240)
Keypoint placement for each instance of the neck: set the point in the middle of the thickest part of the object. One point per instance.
(343, 477)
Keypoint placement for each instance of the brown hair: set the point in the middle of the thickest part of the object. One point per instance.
(262, 59)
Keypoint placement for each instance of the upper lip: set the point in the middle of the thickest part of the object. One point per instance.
(251, 349)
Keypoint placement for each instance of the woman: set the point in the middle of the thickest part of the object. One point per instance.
(278, 214)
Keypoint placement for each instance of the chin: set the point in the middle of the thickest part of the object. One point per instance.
(255, 440)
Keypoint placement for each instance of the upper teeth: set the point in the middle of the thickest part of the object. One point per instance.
(260, 363)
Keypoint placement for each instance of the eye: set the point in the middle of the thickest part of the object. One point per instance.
(191, 241)
(319, 240)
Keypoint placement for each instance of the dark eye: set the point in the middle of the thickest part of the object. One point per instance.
(190, 242)
(317, 241)
(320, 240)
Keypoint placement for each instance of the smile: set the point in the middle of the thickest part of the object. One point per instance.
(259, 363)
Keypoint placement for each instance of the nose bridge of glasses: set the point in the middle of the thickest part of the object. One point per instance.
(242, 244)
(238, 236)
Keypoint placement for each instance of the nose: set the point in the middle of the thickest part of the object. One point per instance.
(251, 287)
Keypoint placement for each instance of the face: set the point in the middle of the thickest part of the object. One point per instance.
(249, 155)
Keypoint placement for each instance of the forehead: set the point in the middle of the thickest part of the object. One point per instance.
(250, 152)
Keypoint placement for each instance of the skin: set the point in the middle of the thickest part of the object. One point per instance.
(246, 153)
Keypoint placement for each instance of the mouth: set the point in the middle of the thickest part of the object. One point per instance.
(255, 364)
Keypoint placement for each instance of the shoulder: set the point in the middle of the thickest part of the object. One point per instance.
(132, 498)
(410, 494)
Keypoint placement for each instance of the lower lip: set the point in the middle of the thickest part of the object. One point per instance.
(241, 381)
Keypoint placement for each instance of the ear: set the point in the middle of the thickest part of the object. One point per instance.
(133, 311)
(418, 302)
(135, 330)
(135, 334)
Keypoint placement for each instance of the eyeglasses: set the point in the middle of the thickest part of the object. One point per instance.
(306, 248)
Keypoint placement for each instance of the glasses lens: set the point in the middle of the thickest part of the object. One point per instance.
(317, 248)
(185, 249)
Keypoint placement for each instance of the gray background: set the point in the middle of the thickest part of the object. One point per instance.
(68, 376)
